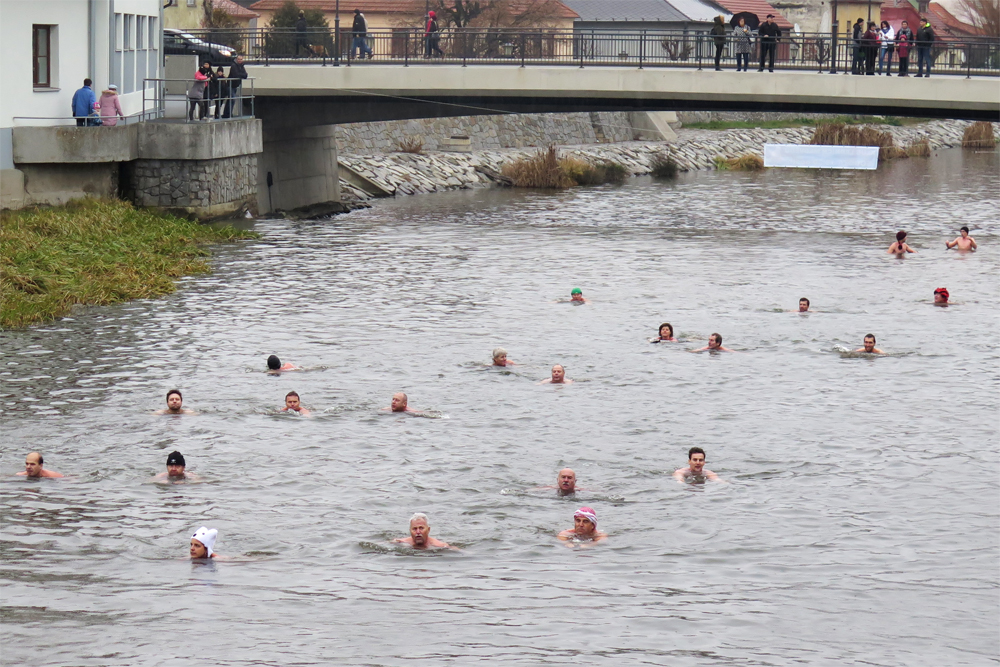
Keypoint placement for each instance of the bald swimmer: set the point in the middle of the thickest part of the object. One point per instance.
(33, 467)
(399, 404)
(584, 528)
(558, 376)
(420, 535)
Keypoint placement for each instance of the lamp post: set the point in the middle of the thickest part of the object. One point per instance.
(834, 29)
(336, 35)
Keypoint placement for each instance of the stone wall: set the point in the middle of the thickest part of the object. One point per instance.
(220, 186)
(487, 132)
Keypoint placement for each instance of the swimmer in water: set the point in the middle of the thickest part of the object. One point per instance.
(666, 334)
(714, 345)
(399, 404)
(584, 528)
(420, 535)
(500, 358)
(292, 404)
(869, 347)
(803, 305)
(899, 247)
(274, 365)
(696, 471)
(203, 543)
(963, 242)
(33, 467)
(558, 376)
(176, 471)
(941, 297)
(576, 296)
(174, 403)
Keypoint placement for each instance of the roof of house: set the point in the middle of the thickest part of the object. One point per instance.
(234, 10)
(758, 7)
(944, 21)
(626, 10)
(410, 7)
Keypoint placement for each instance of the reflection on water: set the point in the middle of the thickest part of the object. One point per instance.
(859, 523)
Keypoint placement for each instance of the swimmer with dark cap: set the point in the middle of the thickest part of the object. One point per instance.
(274, 365)
(293, 404)
(714, 345)
(584, 528)
(33, 467)
(666, 334)
(420, 535)
(203, 544)
(869, 347)
(899, 247)
(941, 297)
(175, 473)
(558, 376)
(963, 242)
(174, 405)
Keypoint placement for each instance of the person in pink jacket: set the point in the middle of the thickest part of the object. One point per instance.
(111, 108)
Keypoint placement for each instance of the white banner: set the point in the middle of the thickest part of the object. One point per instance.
(807, 156)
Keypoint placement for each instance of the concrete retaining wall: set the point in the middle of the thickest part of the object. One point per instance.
(204, 188)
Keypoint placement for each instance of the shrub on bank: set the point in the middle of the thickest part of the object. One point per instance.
(747, 162)
(545, 169)
(95, 252)
(921, 148)
(979, 135)
(663, 165)
(839, 134)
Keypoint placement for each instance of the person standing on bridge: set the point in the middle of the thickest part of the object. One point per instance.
(869, 42)
(925, 41)
(859, 54)
(886, 39)
(432, 36)
(237, 72)
(360, 30)
(744, 43)
(300, 34)
(719, 35)
(769, 34)
(904, 44)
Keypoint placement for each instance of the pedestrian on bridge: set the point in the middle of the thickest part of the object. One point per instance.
(300, 34)
(360, 30)
(719, 35)
(744, 43)
(886, 43)
(869, 44)
(859, 54)
(769, 34)
(925, 42)
(432, 36)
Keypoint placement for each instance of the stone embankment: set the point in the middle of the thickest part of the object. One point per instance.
(409, 173)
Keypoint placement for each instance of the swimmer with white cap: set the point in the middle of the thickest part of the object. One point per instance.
(203, 543)
(420, 535)
(584, 527)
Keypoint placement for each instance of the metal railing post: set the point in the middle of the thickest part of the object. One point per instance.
(522, 49)
(406, 50)
(968, 61)
(697, 45)
(833, 47)
(642, 47)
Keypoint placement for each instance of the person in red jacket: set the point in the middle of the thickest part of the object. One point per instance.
(432, 36)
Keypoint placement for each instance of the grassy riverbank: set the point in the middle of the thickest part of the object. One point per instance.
(95, 252)
(802, 122)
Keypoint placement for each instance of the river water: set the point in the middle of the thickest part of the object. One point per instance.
(858, 525)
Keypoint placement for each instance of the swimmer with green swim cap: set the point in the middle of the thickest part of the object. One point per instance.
(576, 296)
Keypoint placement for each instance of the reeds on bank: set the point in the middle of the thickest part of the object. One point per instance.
(545, 169)
(664, 166)
(840, 134)
(95, 252)
(745, 162)
(979, 135)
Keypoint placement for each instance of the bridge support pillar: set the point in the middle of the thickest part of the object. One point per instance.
(302, 165)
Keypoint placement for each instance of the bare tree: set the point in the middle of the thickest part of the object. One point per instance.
(984, 14)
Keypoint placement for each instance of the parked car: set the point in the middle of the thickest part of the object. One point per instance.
(178, 42)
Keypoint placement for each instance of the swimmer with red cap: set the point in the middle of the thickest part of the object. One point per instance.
(584, 528)
(941, 297)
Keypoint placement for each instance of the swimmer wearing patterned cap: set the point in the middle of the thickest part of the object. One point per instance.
(941, 297)
(584, 527)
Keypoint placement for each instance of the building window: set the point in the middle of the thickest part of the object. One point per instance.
(119, 32)
(41, 56)
(192, 3)
(140, 33)
(154, 38)
(129, 32)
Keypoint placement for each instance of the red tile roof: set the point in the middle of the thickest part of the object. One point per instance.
(411, 7)
(949, 23)
(234, 10)
(758, 7)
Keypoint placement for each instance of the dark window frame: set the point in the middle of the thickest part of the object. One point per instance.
(37, 33)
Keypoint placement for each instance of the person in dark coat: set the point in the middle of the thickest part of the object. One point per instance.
(869, 42)
(360, 31)
(903, 45)
(925, 42)
(237, 72)
(859, 54)
(432, 33)
(718, 33)
(220, 92)
(769, 33)
(300, 34)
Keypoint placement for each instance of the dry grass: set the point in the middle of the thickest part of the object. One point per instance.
(663, 165)
(747, 162)
(839, 134)
(411, 145)
(921, 148)
(545, 169)
(979, 135)
(94, 252)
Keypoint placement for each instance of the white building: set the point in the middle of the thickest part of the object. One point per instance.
(48, 47)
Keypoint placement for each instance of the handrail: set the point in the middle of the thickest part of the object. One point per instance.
(233, 105)
(642, 48)
(130, 119)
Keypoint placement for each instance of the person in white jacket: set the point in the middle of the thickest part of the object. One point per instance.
(886, 43)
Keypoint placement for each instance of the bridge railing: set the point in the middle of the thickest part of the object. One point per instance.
(541, 46)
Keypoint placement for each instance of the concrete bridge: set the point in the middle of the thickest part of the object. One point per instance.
(299, 95)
